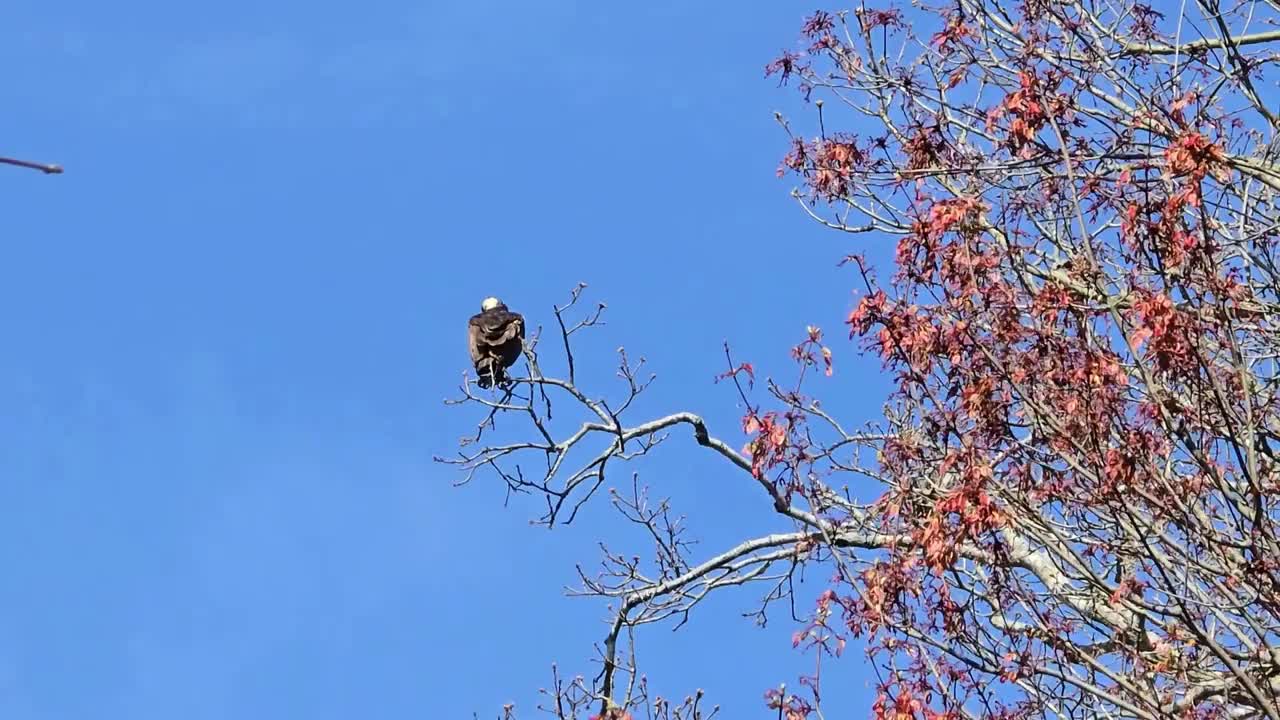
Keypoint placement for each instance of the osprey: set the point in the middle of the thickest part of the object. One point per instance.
(495, 337)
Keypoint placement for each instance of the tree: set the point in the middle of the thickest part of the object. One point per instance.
(1078, 476)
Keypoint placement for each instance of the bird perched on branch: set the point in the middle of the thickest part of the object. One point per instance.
(495, 337)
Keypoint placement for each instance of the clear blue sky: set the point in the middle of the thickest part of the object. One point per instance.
(230, 325)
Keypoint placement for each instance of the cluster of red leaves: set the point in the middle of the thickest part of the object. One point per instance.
(884, 592)
(904, 332)
(1143, 21)
(789, 707)
(1193, 154)
(954, 35)
(951, 214)
(784, 66)
(960, 261)
(1162, 227)
(779, 441)
(1127, 587)
(907, 700)
(1166, 333)
(818, 28)
(944, 248)
(925, 148)
(1051, 302)
(1078, 385)
(1029, 109)
(1128, 465)
(835, 161)
(872, 18)
(742, 369)
(966, 512)
(771, 446)
(1192, 157)
(829, 164)
(818, 24)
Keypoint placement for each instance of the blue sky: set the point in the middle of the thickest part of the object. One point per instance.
(230, 326)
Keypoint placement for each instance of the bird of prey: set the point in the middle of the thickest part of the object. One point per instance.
(495, 337)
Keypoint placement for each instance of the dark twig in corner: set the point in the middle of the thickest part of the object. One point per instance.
(42, 167)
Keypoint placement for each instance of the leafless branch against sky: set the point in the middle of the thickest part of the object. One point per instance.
(47, 169)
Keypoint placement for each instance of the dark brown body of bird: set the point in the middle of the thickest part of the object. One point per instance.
(495, 337)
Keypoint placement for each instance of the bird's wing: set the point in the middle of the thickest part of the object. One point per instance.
(475, 335)
(499, 327)
(515, 327)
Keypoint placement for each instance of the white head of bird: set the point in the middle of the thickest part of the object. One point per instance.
(489, 303)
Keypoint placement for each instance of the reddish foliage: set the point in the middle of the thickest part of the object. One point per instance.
(1078, 326)
(956, 34)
